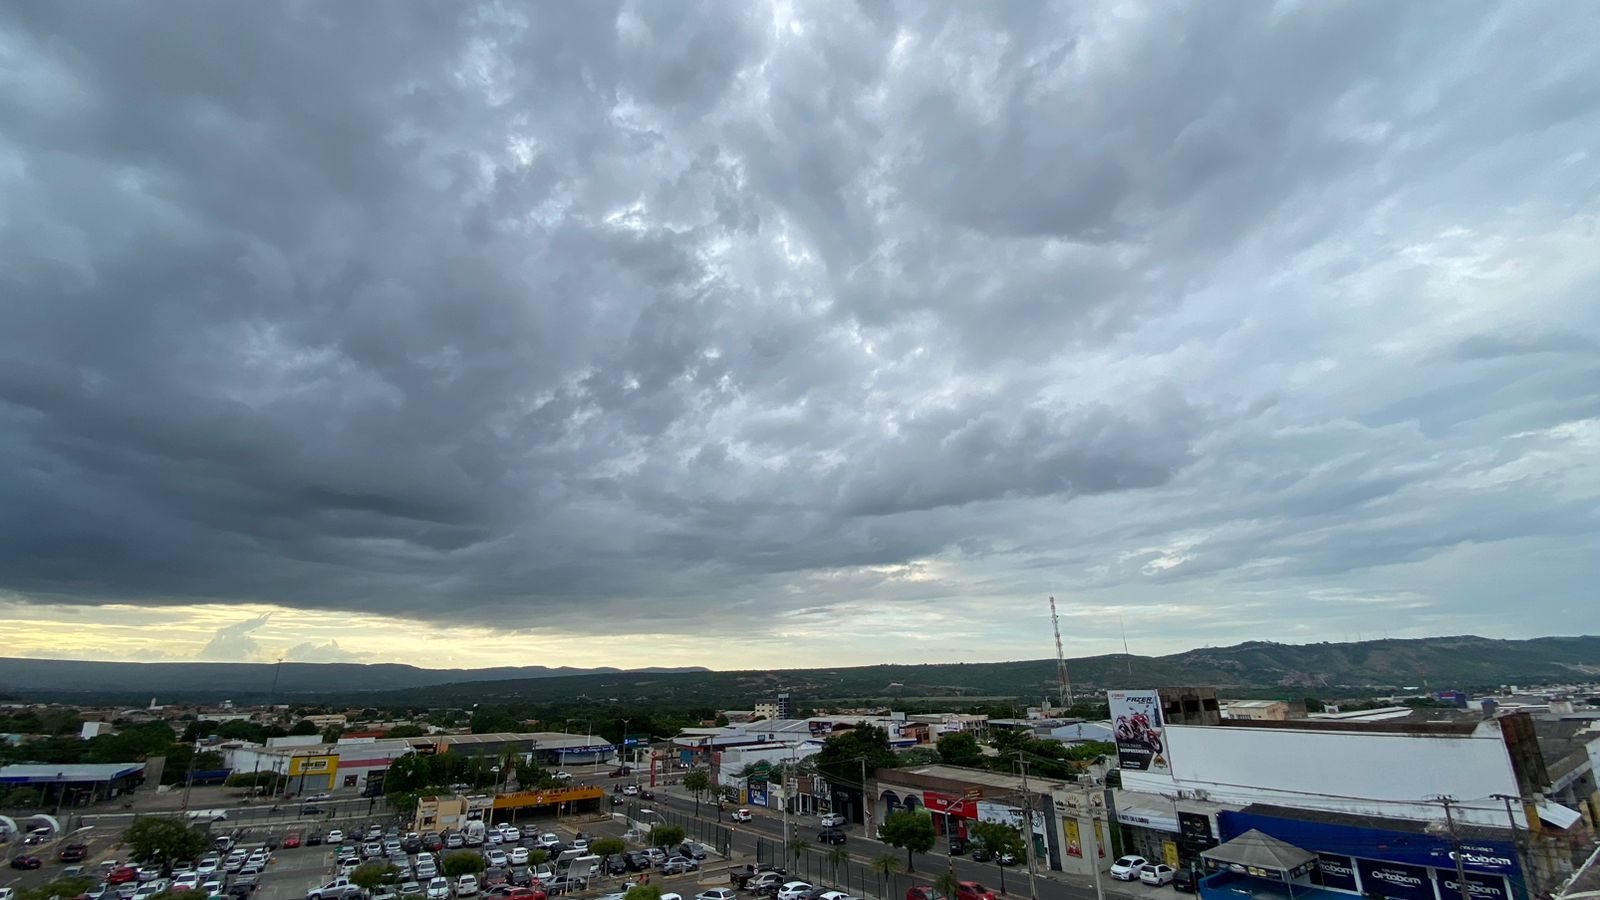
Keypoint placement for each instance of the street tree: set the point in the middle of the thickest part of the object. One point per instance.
(368, 876)
(798, 848)
(643, 892)
(666, 836)
(303, 727)
(999, 838)
(462, 862)
(838, 856)
(61, 887)
(162, 841)
(606, 847)
(885, 867)
(910, 832)
(947, 884)
(697, 782)
(960, 748)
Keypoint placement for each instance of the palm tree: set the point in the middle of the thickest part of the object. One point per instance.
(884, 866)
(947, 884)
(838, 856)
(798, 848)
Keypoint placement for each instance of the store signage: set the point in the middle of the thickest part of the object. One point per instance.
(1482, 887)
(758, 793)
(1145, 820)
(1139, 732)
(1395, 880)
(313, 765)
(1338, 872)
(949, 805)
(1480, 858)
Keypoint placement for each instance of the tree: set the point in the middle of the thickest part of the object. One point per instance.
(960, 748)
(798, 848)
(911, 832)
(999, 838)
(161, 841)
(918, 756)
(884, 866)
(697, 782)
(539, 855)
(840, 759)
(643, 892)
(332, 733)
(838, 856)
(666, 836)
(405, 731)
(606, 847)
(947, 883)
(303, 727)
(25, 797)
(462, 862)
(368, 876)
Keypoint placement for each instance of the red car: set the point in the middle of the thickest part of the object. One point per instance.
(522, 893)
(292, 839)
(971, 890)
(122, 875)
(922, 892)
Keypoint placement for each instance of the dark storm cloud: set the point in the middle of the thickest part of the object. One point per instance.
(501, 311)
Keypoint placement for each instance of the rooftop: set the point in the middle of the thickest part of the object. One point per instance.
(55, 774)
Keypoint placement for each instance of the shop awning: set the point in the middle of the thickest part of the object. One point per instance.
(1255, 850)
(1557, 815)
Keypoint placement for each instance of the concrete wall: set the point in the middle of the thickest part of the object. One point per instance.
(1358, 772)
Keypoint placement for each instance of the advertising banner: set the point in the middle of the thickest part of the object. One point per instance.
(1395, 880)
(1480, 886)
(758, 793)
(313, 765)
(1337, 872)
(1139, 732)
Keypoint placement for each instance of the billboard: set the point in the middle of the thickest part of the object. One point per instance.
(313, 765)
(1139, 731)
(1395, 880)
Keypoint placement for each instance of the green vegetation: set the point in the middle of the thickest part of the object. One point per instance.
(405, 731)
(666, 836)
(911, 832)
(999, 838)
(162, 841)
(61, 887)
(462, 862)
(368, 876)
(643, 892)
(697, 782)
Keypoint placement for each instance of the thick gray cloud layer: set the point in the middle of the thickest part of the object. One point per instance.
(1257, 315)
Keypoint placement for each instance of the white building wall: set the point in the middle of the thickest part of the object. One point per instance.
(1354, 772)
(734, 761)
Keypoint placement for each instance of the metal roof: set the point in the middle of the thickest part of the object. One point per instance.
(64, 774)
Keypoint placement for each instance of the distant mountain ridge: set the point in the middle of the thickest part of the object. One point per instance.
(1253, 668)
(60, 677)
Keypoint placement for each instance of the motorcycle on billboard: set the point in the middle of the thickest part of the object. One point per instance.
(1138, 730)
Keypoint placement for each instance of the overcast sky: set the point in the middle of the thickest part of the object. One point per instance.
(769, 334)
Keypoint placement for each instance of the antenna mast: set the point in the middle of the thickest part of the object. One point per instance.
(1061, 658)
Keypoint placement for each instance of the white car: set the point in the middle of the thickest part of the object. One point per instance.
(1127, 868)
(335, 836)
(467, 886)
(7, 893)
(185, 881)
(426, 870)
(794, 890)
(549, 839)
(150, 889)
(832, 820)
(438, 889)
(741, 815)
(510, 833)
(1156, 874)
(496, 857)
(211, 888)
(630, 790)
(519, 856)
(580, 844)
(716, 894)
(207, 865)
(835, 895)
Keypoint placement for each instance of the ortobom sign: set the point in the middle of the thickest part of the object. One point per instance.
(1139, 732)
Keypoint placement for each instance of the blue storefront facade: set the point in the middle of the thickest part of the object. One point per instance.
(1400, 862)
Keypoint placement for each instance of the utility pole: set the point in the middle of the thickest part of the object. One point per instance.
(1455, 845)
(1524, 852)
(866, 804)
(1091, 846)
(784, 780)
(1027, 828)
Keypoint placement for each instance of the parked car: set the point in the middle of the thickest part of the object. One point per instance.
(679, 865)
(760, 882)
(741, 815)
(958, 845)
(615, 864)
(549, 839)
(467, 886)
(123, 875)
(692, 849)
(337, 889)
(493, 876)
(410, 889)
(1185, 881)
(835, 895)
(980, 853)
(454, 841)
(830, 836)
(1156, 874)
(794, 890)
(832, 820)
(291, 840)
(494, 856)
(335, 836)
(1127, 868)
(716, 894)
(437, 889)
(518, 856)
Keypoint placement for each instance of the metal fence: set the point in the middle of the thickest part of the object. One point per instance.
(833, 867)
(714, 835)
